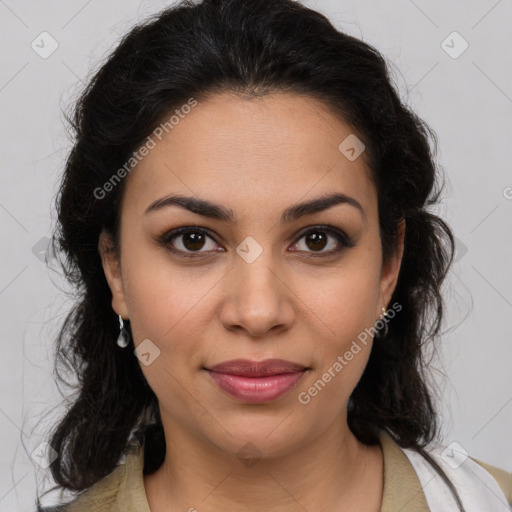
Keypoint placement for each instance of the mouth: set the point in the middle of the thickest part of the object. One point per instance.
(256, 382)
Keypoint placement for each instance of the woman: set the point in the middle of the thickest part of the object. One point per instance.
(244, 212)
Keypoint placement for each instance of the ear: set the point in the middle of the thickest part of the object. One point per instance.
(391, 269)
(112, 269)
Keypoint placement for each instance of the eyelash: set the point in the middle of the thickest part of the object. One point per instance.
(344, 241)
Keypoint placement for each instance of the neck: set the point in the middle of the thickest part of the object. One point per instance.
(333, 472)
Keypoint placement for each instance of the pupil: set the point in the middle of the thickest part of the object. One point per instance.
(193, 241)
(317, 239)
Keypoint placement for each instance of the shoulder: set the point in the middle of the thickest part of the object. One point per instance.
(101, 497)
(477, 486)
(409, 474)
(504, 478)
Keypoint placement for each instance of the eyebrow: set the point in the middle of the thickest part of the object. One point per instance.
(219, 212)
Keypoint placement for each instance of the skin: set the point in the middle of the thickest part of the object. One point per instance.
(257, 157)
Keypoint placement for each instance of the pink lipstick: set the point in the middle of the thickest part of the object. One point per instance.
(256, 382)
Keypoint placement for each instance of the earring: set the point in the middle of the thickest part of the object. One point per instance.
(379, 334)
(124, 337)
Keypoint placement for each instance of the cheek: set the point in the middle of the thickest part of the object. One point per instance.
(167, 306)
(340, 358)
(345, 301)
(344, 310)
(164, 299)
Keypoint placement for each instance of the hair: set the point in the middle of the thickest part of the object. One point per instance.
(249, 48)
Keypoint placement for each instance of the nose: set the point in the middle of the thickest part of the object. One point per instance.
(257, 298)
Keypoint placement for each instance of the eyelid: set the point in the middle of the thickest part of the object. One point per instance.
(166, 238)
(342, 237)
(329, 229)
(345, 240)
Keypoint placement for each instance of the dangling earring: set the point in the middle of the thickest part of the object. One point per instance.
(124, 337)
(382, 334)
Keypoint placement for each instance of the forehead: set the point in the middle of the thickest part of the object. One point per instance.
(255, 152)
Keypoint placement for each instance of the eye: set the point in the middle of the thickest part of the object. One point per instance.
(316, 239)
(188, 240)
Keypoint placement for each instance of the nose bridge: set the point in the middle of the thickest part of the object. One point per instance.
(254, 265)
(257, 297)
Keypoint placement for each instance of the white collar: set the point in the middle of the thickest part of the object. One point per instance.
(477, 488)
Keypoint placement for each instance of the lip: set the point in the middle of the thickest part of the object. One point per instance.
(256, 381)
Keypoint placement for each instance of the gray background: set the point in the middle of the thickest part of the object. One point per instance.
(467, 100)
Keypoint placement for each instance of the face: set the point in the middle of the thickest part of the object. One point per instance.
(254, 284)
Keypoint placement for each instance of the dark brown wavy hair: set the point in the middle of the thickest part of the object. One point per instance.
(251, 48)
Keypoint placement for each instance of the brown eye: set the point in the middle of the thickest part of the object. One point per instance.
(316, 241)
(320, 238)
(190, 242)
(193, 241)
(186, 241)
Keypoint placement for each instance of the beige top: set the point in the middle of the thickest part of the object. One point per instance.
(123, 489)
